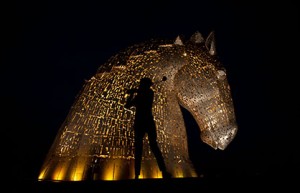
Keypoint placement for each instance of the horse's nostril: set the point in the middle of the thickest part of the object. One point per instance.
(225, 139)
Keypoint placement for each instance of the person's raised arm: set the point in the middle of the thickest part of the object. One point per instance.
(129, 101)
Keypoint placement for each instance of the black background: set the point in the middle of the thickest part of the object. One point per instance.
(51, 47)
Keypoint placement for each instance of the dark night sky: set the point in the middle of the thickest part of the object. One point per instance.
(51, 47)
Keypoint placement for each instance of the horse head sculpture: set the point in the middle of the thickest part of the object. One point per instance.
(96, 139)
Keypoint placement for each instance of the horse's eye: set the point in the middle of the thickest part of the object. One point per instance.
(221, 74)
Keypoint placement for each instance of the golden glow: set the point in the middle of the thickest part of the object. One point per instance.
(60, 172)
(96, 141)
(78, 172)
(42, 174)
(108, 172)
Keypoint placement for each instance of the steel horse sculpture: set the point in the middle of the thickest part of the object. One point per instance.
(95, 142)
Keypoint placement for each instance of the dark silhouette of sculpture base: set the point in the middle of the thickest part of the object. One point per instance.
(145, 124)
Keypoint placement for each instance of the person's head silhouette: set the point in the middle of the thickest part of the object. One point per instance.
(145, 83)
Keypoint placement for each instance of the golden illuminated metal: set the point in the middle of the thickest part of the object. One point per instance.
(96, 140)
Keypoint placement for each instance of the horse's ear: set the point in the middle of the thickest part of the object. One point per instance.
(178, 41)
(210, 43)
(197, 38)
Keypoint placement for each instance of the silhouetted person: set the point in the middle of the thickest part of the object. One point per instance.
(144, 123)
